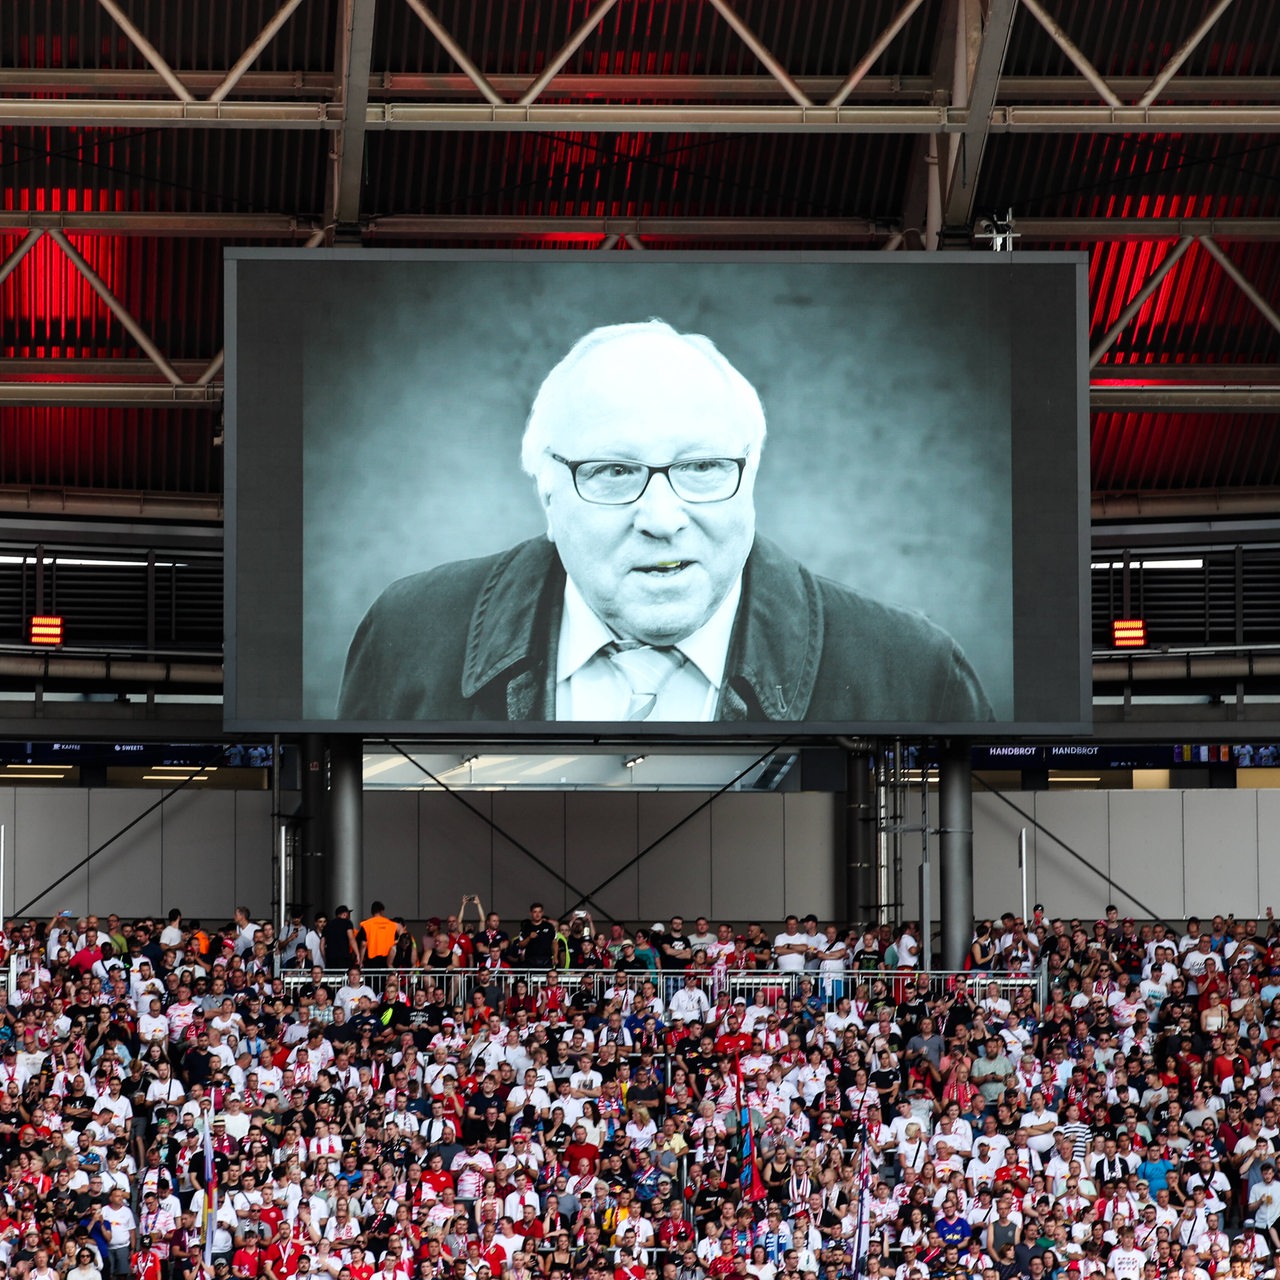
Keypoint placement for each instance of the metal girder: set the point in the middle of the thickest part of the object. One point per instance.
(100, 370)
(873, 55)
(1198, 375)
(557, 61)
(464, 226)
(512, 87)
(1139, 299)
(452, 226)
(963, 187)
(250, 225)
(1182, 53)
(111, 395)
(484, 226)
(1241, 281)
(765, 56)
(1073, 54)
(1042, 229)
(129, 388)
(356, 46)
(628, 118)
(921, 217)
(1171, 399)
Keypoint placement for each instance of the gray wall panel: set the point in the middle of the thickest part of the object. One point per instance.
(1268, 850)
(1081, 820)
(7, 889)
(455, 850)
(391, 861)
(199, 834)
(746, 856)
(683, 858)
(1220, 851)
(1146, 852)
(51, 834)
(748, 852)
(256, 842)
(997, 884)
(599, 839)
(813, 863)
(134, 860)
(536, 820)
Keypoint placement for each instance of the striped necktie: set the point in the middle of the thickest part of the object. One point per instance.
(646, 671)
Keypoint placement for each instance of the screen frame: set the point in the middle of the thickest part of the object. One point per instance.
(287, 532)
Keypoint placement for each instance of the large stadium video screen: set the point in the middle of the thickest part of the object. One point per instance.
(632, 494)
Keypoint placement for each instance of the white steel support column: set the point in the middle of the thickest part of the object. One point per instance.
(356, 50)
(983, 86)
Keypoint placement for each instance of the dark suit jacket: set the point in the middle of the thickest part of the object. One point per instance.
(476, 640)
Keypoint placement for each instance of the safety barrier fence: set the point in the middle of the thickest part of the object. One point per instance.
(459, 984)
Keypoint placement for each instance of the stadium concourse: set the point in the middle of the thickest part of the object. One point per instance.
(348, 1100)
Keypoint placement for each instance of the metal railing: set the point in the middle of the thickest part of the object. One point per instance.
(827, 989)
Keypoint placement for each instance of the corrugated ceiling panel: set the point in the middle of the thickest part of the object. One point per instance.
(1139, 36)
(197, 35)
(1143, 452)
(164, 170)
(155, 451)
(656, 37)
(637, 174)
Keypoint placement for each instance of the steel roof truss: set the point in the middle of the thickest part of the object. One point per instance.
(1136, 303)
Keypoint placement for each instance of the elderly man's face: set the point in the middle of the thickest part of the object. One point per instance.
(656, 569)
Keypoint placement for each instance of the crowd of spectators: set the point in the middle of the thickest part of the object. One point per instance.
(349, 1101)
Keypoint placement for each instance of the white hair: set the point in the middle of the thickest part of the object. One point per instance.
(556, 397)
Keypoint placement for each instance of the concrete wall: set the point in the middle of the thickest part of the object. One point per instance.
(1165, 854)
(741, 856)
(205, 852)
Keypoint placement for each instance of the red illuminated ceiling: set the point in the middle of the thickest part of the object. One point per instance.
(858, 185)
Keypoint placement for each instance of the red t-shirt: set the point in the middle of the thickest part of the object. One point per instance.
(576, 1151)
(146, 1265)
(284, 1258)
(247, 1262)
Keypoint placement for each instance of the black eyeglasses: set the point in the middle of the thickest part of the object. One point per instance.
(618, 482)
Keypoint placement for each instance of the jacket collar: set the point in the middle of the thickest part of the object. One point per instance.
(774, 651)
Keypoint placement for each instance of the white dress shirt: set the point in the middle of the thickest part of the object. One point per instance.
(590, 687)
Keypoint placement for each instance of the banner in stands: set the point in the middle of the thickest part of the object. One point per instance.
(638, 495)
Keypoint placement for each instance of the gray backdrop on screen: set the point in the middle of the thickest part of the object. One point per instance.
(887, 397)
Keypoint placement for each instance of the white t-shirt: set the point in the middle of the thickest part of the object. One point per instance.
(790, 963)
(1126, 1263)
(122, 1222)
